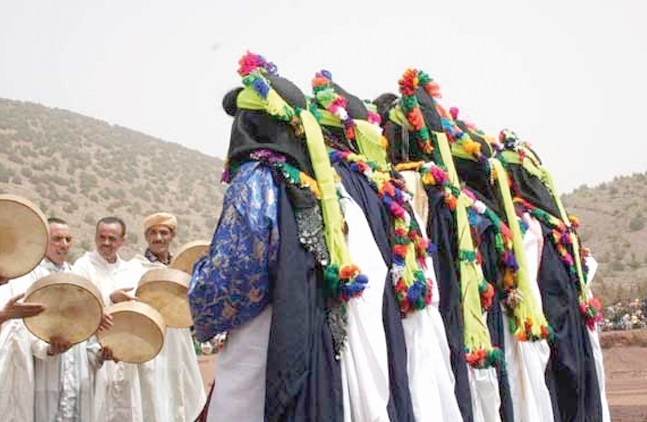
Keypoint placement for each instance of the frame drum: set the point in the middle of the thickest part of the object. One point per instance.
(73, 307)
(137, 333)
(189, 254)
(166, 289)
(24, 238)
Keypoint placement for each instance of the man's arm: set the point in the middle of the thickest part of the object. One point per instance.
(15, 309)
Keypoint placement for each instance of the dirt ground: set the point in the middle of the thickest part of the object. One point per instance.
(625, 367)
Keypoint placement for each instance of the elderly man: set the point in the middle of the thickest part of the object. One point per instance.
(118, 395)
(175, 374)
(59, 384)
(159, 230)
(63, 375)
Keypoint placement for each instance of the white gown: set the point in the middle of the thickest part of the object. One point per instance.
(16, 363)
(597, 349)
(61, 386)
(431, 380)
(364, 359)
(527, 360)
(239, 386)
(118, 395)
(173, 376)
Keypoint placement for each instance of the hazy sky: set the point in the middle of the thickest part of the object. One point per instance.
(569, 76)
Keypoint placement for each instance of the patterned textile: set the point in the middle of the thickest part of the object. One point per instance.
(154, 258)
(229, 286)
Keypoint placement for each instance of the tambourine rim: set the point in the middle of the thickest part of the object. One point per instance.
(117, 308)
(29, 205)
(93, 292)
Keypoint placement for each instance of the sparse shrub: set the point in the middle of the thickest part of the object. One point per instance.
(637, 223)
(617, 265)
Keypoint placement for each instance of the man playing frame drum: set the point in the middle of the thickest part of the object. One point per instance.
(177, 383)
(118, 392)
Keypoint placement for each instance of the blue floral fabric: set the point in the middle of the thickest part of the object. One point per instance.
(229, 286)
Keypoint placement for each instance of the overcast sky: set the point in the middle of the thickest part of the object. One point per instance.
(568, 76)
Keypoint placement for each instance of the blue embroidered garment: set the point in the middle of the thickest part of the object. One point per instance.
(229, 286)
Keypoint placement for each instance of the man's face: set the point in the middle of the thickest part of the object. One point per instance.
(109, 238)
(60, 241)
(159, 239)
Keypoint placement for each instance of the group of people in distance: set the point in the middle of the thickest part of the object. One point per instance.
(387, 261)
(57, 381)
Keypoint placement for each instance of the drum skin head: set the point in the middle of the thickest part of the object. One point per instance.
(73, 307)
(137, 334)
(24, 238)
(166, 289)
(189, 254)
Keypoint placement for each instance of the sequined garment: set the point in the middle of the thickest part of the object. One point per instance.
(229, 286)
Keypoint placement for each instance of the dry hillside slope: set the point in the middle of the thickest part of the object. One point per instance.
(81, 169)
(614, 226)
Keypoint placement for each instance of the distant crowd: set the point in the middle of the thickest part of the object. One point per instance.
(626, 316)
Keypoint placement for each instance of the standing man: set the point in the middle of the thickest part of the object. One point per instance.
(177, 384)
(118, 396)
(63, 375)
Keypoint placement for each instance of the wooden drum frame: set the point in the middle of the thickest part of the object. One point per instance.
(25, 236)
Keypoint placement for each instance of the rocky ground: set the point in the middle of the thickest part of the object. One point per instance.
(625, 361)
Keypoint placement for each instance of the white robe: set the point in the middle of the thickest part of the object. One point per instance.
(173, 376)
(63, 384)
(239, 385)
(527, 360)
(431, 380)
(16, 363)
(117, 395)
(364, 359)
(597, 348)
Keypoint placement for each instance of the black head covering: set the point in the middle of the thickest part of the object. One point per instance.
(486, 148)
(527, 185)
(476, 174)
(355, 109)
(255, 129)
(401, 147)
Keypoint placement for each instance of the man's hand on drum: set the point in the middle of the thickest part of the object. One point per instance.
(58, 345)
(122, 295)
(14, 309)
(106, 354)
(106, 322)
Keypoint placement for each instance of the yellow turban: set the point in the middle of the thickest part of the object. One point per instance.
(160, 219)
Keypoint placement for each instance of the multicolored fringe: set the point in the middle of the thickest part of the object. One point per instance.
(481, 358)
(409, 83)
(343, 278)
(457, 136)
(479, 350)
(434, 175)
(409, 251)
(503, 244)
(326, 95)
(563, 237)
(253, 69)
